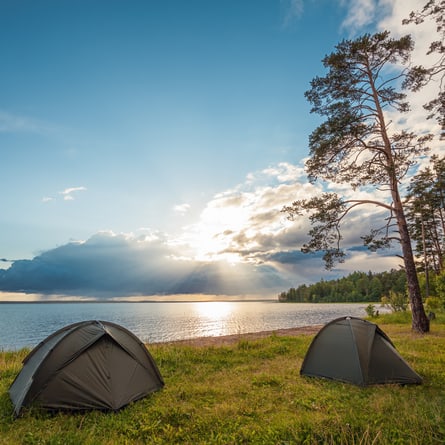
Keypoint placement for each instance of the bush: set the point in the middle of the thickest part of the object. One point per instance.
(371, 311)
(433, 304)
(396, 301)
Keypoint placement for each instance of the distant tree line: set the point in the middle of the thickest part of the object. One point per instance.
(425, 209)
(356, 287)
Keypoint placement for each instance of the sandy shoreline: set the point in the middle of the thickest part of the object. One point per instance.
(225, 340)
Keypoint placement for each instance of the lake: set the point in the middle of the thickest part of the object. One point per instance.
(26, 324)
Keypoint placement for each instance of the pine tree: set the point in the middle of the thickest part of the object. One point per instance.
(355, 146)
(419, 75)
(426, 214)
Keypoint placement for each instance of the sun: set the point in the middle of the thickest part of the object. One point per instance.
(212, 248)
(212, 238)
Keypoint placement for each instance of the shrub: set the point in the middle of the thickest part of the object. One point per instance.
(396, 301)
(371, 311)
(433, 304)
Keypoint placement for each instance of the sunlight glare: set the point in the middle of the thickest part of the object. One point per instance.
(211, 239)
(214, 310)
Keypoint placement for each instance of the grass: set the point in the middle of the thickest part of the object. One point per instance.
(252, 393)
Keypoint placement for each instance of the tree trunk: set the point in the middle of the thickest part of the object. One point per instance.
(420, 322)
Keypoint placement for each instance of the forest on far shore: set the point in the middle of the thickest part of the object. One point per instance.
(355, 287)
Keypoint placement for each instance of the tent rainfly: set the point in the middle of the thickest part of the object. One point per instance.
(87, 365)
(356, 351)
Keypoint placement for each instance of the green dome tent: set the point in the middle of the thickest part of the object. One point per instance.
(356, 351)
(87, 365)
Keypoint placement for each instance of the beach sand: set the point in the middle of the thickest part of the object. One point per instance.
(225, 340)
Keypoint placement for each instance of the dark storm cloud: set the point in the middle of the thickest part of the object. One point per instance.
(107, 265)
(245, 244)
(292, 257)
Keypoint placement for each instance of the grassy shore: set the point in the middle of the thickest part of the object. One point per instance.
(250, 392)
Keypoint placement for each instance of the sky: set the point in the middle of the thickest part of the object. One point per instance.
(147, 147)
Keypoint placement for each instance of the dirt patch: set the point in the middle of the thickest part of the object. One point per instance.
(225, 340)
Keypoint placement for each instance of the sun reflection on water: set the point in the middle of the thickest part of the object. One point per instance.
(214, 310)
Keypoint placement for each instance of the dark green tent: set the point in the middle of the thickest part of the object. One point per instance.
(87, 365)
(357, 351)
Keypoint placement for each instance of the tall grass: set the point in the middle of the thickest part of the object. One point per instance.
(252, 393)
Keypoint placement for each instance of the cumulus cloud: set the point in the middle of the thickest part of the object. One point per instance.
(246, 225)
(378, 15)
(248, 221)
(114, 265)
(242, 244)
(238, 223)
(423, 34)
(181, 209)
(363, 13)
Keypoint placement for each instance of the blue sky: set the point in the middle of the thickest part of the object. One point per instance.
(163, 137)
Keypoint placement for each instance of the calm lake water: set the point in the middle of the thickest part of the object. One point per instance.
(26, 324)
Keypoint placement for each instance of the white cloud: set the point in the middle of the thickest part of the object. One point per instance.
(363, 13)
(245, 224)
(242, 244)
(286, 172)
(234, 221)
(416, 119)
(365, 261)
(182, 209)
(292, 10)
(378, 15)
(68, 193)
(109, 265)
